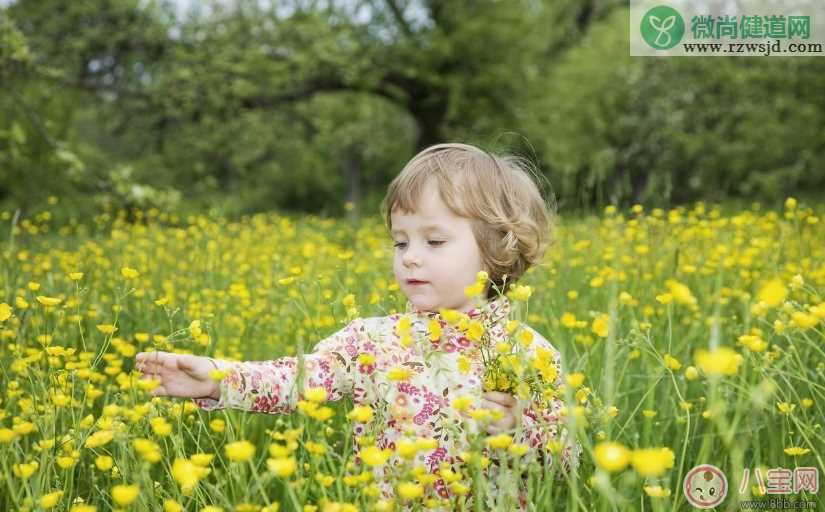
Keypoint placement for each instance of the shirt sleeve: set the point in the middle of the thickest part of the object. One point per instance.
(543, 426)
(271, 386)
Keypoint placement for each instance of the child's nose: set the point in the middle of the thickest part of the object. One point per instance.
(411, 257)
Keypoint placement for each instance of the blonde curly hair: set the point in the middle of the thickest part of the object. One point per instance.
(512, 223)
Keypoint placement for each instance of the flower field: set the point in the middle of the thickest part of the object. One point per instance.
(689, 336)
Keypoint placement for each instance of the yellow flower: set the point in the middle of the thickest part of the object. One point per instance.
(522, 293)
(104, 462)
(361, 413)
(148, 450)
(403, 325)
(680, 293)
(691, 373)
(316, 395)
(239, 450)
(5, 311)
(796, 450)
(217, 425)
(671, 362)
(160, 426)
(451, 316)
(148, 384)
(76, 276)
(804, 320)
(374, 456)
(399, 373)
(48, 301)
(129, 273)
(51, 499)
(773, 293)
(499, 442)
(83, 508)
(202, 459)
(187, 474)
(790, 203)
(106, 328)
(406, 448)
(218, 375)
(172, 506)
(754, 343)
(600, 325)
(719, 361)
(526, 338)
(649, 413)
(807, 403)
(652, 461)
(99, 438)
(463, 403)
(25, 470)
(664, 298)
(575, 380)
(366, 359)
(124, 495)
(474, 290)
(463, 365)
(316, 448)
(568, 320)
(282, 466)
(657, 491)
(611, 456)
(475, 330)
(410, 491)
(434, 330)
(785, 407)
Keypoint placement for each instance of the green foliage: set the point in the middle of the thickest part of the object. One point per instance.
(613, 128)
(243, 107)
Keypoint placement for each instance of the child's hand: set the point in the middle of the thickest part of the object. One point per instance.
(181, 375)
(504, 402)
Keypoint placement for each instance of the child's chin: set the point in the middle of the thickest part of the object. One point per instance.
(424, 304)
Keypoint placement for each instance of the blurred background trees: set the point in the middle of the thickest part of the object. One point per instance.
(248, 105)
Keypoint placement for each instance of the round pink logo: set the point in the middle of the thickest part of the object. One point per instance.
(705, 486)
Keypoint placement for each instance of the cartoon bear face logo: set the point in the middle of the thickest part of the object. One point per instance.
(705, 486)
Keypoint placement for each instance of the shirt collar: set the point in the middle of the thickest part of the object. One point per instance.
(493, 314)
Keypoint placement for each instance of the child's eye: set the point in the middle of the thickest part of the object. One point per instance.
(436, 242)
(399, 244)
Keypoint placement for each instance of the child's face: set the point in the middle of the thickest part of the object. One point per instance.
(437, 249)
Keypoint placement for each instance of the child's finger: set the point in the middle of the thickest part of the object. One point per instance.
(494, 406)
(498, 397)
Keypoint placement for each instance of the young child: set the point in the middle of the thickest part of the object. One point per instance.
(454, 211)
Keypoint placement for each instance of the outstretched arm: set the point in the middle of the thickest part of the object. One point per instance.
(263, 386)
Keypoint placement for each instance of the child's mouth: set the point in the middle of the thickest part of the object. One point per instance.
(415, 282)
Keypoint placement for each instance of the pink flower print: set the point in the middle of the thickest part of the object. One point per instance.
(264, 403)
(425, 413)
(406, 387)
(436, 457)
(366, 369)
(441, 489)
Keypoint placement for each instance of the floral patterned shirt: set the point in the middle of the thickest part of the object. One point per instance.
(416, 406)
